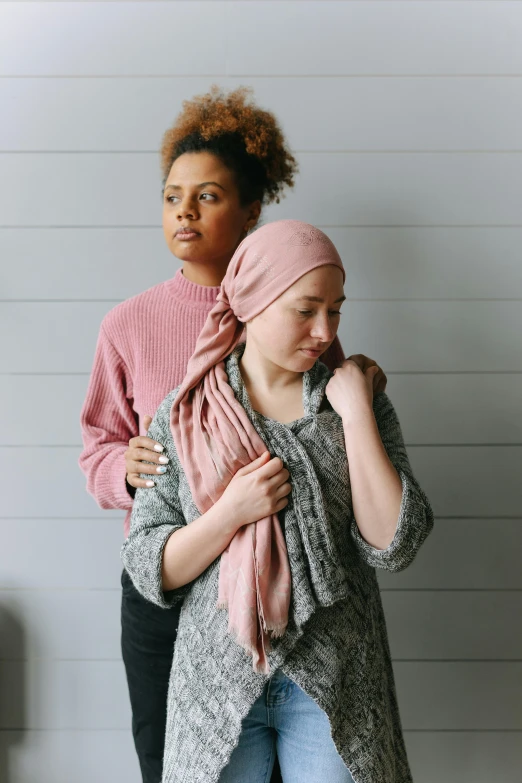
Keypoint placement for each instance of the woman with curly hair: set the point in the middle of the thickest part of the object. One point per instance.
(282, 640)
(223, 159)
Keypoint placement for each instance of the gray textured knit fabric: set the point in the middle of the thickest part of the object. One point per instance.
(335, 647)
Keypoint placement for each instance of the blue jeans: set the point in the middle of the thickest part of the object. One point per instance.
(284, 717)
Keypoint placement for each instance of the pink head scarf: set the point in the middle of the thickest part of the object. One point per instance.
(214, 437)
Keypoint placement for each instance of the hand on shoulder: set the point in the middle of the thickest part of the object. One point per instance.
(350, 390)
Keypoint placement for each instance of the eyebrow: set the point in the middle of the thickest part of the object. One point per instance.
(201, 185)
(318, 299)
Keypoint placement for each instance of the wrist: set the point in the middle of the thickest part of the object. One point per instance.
(225, 517)
(359, 417)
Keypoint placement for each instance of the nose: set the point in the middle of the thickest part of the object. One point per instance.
(323, 329)
(187, 208)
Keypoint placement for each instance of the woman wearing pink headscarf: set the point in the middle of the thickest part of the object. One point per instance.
(286, 488)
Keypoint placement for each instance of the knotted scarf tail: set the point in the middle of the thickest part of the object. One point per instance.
(255, 635)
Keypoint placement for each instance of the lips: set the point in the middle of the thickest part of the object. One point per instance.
(186, 233)
(312, 352)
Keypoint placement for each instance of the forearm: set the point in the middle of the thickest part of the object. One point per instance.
(191, 549)
(104, 469)
(375, 484)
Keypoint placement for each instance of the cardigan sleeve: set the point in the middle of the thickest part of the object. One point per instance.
(415, 514)
(156, 514)
(108, 422)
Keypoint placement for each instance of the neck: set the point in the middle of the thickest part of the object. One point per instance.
(205, 275)
(261, 374)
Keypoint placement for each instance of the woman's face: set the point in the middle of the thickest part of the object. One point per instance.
(203, 219)
(302, 324)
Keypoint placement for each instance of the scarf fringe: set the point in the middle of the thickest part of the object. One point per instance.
(275, 632)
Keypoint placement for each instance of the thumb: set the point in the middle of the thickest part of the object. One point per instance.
(257, 463)
(370, 375)
(147, 422)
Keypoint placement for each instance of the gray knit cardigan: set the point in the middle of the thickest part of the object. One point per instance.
(335, 647)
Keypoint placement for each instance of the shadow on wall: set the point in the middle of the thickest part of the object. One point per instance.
(12, 689)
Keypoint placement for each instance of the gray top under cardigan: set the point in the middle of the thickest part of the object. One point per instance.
(335, 647)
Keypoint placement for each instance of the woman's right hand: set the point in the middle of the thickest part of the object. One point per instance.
(142, 450)
(256, 491)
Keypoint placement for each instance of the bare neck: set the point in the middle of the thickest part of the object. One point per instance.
(201, 274)
(274, 392)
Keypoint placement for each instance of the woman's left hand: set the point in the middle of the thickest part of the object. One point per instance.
(364, 363)
(350, 390)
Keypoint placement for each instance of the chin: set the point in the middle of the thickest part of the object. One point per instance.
(185, 252)
(300, 363)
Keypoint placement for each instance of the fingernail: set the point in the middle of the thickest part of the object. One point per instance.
(161, 469)
(163, 460)
(149, 484)
(157, 447)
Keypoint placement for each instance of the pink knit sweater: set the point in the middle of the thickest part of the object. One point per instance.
(142, 354)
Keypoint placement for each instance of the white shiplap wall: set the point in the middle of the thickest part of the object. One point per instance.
(407, 121)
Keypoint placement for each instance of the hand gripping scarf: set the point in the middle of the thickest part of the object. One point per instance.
(215, 438)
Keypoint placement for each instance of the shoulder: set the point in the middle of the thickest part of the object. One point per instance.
(164, 408)
(162, 415)
(128, 316)
(161, 432)
(160, 427)
(319, 376)
(322, 372)
(382, 406)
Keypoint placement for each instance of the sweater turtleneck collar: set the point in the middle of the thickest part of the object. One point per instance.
(191, 294)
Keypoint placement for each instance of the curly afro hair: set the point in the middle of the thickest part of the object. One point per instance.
(246, 138)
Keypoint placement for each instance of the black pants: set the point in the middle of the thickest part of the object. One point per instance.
(148, 634)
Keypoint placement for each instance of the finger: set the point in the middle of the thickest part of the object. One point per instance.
(148, 456)
(380, 383)
(353, 363)
(135, 481)
(255, 465)
(142, 467)
(371, 372)
(281, 505)
(359, 359)
(147, 421)
(279, 478)
(283, 491)
(271, 468)
(375, 378)
(143, 442)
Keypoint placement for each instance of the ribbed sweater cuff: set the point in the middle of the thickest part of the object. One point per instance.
(115, 484)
